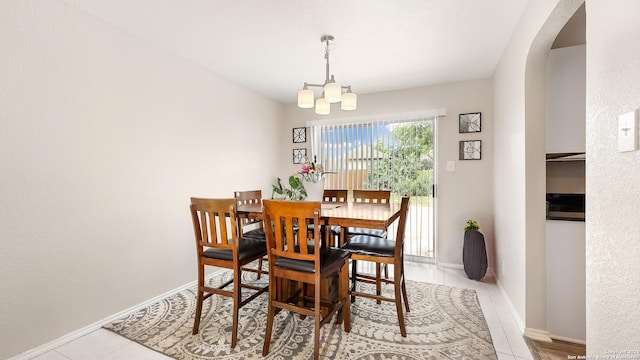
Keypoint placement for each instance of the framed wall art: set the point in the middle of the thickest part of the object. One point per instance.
(299, 155)
(471, 150)
(300, 135)
(470, 122)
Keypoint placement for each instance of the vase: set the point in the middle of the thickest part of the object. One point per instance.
(315, 191)
(474, 255)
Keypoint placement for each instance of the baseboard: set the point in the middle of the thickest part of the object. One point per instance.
(451, 266)
(98, 324)
(566, 339)
(536, 334)
(512, 308)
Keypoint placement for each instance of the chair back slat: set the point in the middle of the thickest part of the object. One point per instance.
(372, 196)
(214, 222)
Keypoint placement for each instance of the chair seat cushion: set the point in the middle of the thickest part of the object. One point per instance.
(249, 248)
(330, 259)
(370, 232)
(371, 245)
(255, 234)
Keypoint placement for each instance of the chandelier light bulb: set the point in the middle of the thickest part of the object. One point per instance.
(349, 101)
(305, 98)
(333, 91)
(323, 107)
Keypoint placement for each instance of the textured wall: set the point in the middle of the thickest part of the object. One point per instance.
(613, 186)
(103, 140)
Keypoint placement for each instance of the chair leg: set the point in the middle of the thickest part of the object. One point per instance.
(270, 315)
(200, 300)
(316, 324)
(404, 289)
(397, 284)
(378, 283)
(259, 268)
(343, 293)
(354, 275)
(237, 299)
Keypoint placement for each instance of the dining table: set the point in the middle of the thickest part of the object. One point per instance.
(345, 215)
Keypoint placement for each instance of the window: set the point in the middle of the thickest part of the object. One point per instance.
(384, 155)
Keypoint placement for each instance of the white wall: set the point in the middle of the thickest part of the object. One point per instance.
(613, 189)
(463, 194)
(519, 162)
(103, 140)
(565, 100)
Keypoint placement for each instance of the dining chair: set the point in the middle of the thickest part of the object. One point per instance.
(251, 227)
(218, 244)
(333, 196)
(336, 197)
(372, 197)
(305, 266)
(382, 251)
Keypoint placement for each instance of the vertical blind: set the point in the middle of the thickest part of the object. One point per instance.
(396, 155)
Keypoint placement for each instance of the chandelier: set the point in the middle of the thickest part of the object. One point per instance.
(332, 91)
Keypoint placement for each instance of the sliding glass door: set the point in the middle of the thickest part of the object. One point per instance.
(389, 155)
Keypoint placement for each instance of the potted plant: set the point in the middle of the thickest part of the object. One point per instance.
(474, 251)
(296, 191)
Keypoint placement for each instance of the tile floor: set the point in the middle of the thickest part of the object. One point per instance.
(509, 344)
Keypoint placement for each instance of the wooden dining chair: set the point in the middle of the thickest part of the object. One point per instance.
(372, 197)
(218, 244)
(295, 266)
(251, 227)
(382, 251)
(336, 197)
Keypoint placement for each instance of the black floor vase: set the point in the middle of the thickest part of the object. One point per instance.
(474, 255)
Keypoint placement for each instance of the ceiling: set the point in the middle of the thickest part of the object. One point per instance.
(274, 46)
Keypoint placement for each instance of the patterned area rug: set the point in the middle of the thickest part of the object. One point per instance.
(444, 323)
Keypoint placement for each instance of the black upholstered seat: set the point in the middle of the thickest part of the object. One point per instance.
(248, 248)
(365, 244)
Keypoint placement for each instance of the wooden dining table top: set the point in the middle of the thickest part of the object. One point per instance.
(350, 214)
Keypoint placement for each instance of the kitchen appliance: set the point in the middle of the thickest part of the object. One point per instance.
(565, 206)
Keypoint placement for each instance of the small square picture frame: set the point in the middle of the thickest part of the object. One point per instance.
(470, 122)
(471, 150)
(299, 135)
(299, 155)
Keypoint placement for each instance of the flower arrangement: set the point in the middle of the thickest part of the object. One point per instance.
(312, 172)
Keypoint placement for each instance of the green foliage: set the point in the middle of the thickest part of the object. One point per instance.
(471, 225)
(296, 191)
(407, 166)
